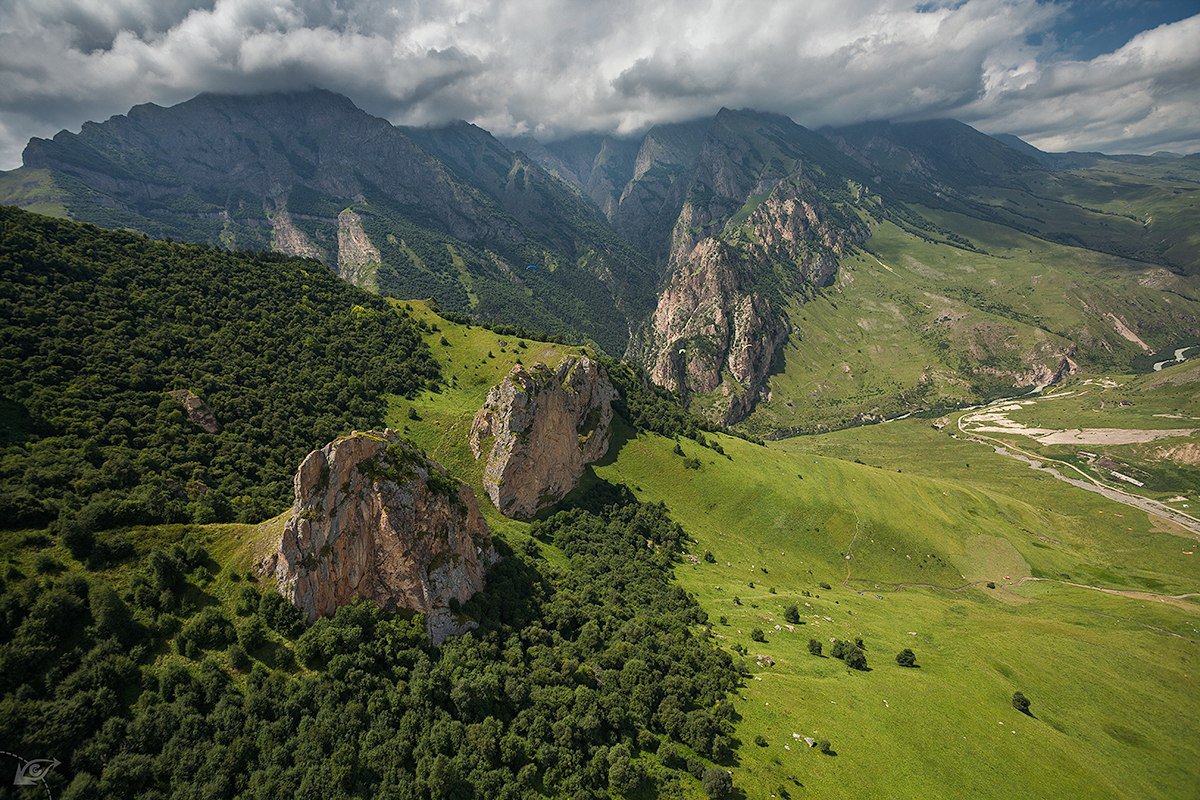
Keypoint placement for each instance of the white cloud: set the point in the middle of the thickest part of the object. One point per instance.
(557, 66)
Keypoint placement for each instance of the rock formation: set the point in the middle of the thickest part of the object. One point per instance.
(708, 328)
(358, 259)
(538, 429)
(375, 518)
(720, 320)
(196, 410)
(289, 239)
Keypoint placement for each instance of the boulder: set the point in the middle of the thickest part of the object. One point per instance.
(375, 518)
(196, 410)
(538, 429)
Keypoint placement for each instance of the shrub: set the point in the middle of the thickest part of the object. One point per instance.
(792, 614)
(238, 657)
(207, 630)
(280, 615)
(760, 740)
(709, 557)
(717, 783)
(814, 647)
(906, 658)
(1021, 703)
(757, 635)
(825, 586)
(252, 634)
(855, 658)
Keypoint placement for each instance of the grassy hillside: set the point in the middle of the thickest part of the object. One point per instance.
(914, 509)
(889, 533)
(917, 321)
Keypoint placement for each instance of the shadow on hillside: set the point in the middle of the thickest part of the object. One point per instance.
(621, 433)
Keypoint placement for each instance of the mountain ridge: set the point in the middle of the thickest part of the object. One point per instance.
(696, 247)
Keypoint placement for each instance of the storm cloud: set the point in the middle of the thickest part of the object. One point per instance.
(554, 67)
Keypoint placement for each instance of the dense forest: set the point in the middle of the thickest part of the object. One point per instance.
(150, 668)
(99, 327)
(172, 677)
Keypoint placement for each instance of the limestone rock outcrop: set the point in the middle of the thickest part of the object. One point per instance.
(358, 259)
(720, 318)
(538, 429)
(288, 238)
(374, 518)
(196, 410)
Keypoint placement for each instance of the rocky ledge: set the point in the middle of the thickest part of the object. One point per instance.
(374, 518)
(538, 429)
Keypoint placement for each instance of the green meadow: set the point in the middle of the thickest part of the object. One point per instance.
(917, 320)
(906, 525)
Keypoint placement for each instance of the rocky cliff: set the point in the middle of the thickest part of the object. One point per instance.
(375, 518)
(358, 259)
(720, 319)
(538, 429)
(288, 238)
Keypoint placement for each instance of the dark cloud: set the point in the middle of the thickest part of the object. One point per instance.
(552, 67)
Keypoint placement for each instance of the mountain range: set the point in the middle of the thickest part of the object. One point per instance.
(727, 254)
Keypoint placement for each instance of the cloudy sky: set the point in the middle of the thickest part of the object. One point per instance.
(1112, 75)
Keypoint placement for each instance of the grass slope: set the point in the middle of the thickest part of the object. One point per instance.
(916, 322)
(1111, 677)
(945, 730)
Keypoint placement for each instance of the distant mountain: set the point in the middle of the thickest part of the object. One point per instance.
(448, 213)
(1070, 198)
(779, 277)
(744, 210)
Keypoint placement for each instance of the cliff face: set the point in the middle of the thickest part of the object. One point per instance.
(289, 239)
(707, 328)
(358, 259)
(538, 429)
(720, 320)
(374, 518)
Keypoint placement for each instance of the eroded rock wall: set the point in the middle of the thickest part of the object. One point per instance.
(374, 518)
(538, 429)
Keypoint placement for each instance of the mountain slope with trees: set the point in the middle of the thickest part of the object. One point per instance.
(100, 327)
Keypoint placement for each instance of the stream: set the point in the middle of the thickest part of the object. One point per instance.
(1178, 359)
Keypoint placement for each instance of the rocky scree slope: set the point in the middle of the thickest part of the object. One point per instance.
(538, 429)
(374, 518)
